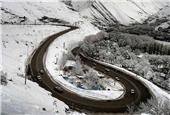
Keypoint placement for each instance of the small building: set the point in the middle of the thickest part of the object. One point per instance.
(140, 56)
(80, 76)
(70, 65)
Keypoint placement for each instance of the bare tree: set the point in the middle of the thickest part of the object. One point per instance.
(91, 79)
(131, 108)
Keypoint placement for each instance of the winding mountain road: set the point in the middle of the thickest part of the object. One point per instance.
(135, 90)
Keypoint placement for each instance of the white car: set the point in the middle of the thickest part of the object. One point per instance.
(94, 64)
(117, 78)
(41, 71)
(107, 70)
(132, 91)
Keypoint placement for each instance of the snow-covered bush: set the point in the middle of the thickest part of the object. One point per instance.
(131, 109)
(3, 78)
(91, 80)
(67, 2)
(119, 50)
(78, 70)
(155, 107)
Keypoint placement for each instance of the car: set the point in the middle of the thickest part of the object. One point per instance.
(132, 91)
(58, 89)
(41, 71)
(81, 86)
(108, 100)
(94, 64)
(107, 70)
(39, 77)
(117, 78)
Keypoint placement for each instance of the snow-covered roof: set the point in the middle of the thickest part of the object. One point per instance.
(70, 63)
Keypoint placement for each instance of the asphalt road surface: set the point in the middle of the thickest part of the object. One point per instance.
(135, 90)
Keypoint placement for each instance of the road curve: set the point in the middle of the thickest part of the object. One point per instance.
(40, 74)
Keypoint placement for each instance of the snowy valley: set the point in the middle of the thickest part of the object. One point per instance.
(25, 25)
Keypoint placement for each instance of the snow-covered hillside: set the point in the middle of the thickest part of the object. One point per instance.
(18, 42)
(124, 11)
(31, 12)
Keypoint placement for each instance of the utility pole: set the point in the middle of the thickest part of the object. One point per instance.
(27, 57)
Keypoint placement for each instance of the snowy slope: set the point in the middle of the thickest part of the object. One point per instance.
(17, 43)
(16, 97)
(14, 11)
(125, 11)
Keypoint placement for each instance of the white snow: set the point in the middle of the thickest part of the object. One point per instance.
(18, 41)
(125, 11)
(18, 98)
(70, 63)
(36, 10)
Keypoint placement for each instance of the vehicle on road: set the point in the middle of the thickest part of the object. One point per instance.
(58, 89)
(107, 70)
(39, 77)
(41, 71)
(132, 91)
(117, 78)
(94, 64)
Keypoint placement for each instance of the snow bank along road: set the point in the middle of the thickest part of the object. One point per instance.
(135, 91)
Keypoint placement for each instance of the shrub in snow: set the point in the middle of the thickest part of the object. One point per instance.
(3, 78)
(91, 80)
(78, 70)
(63, 61)
(121, 49)
(131, 108)
(70, 56)
(67, 2)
